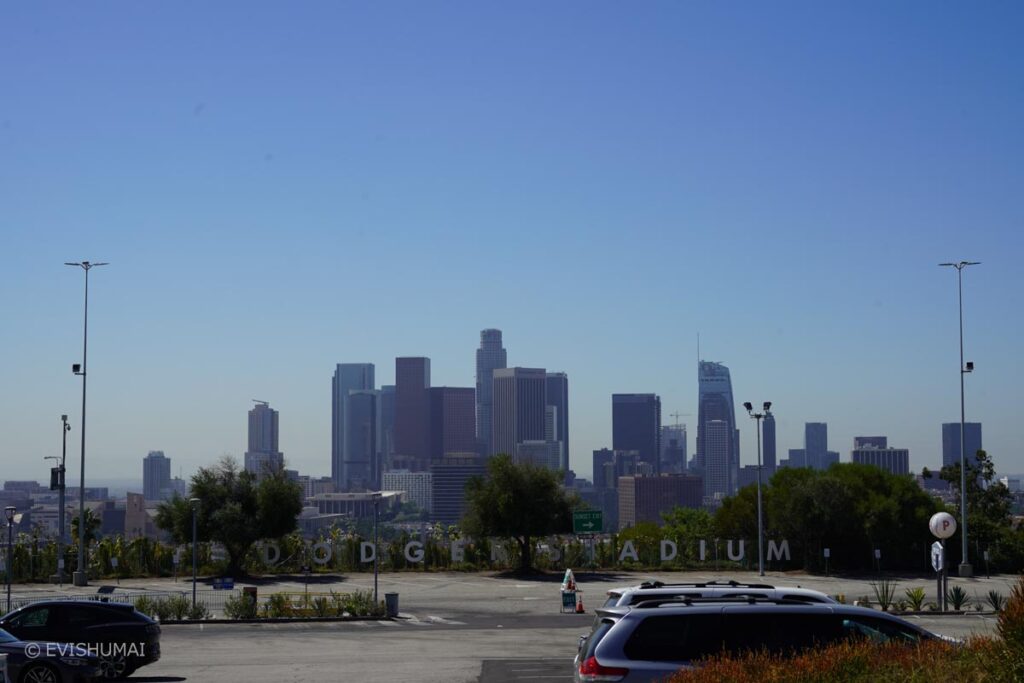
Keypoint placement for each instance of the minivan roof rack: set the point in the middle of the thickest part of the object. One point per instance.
(732, 599)
(705, 584)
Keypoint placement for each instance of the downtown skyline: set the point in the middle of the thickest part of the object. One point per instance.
(343, 184)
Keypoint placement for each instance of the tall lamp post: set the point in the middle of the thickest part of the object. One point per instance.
(60, 485)
(760, 515)
(965, 565)
(194, 502)
(9, 514)
(376, 507)
(80, 577)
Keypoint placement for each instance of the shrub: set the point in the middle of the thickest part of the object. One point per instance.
(841, 598)
(957, 597)
(178, 606)
(1011, 617)
(902, 605)
(321, 607)
(198, 612)
(146, 605)
(996, 600)
(278, 605)
(884, 591)
(360, 604)
(863, 601)
(240, 606)
(915, 596)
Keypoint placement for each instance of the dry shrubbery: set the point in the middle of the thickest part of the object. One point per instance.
(992, 660)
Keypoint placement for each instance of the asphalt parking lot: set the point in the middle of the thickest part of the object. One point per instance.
(452, 628)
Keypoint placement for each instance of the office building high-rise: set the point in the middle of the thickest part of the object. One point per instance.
(870, 442)
(951, 442)
(815, 452)
(348, 377)
(360, 464)
(636, 426)
(768, 460)
(452, 422)
(386, 426)
(263, 455)
(519, 408)
(645, 499)
(156, 476)
(490, 356)
(894, 460)
(412, 410)
(721, 454)
(448, 479)
(603, 457)
(673, 449)
(557, 396)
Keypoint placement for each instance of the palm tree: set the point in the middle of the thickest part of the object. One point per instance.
(92, 527)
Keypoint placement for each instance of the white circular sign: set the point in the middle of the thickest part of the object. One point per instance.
(942, 525)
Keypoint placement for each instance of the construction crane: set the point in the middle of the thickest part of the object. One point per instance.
(678, 415)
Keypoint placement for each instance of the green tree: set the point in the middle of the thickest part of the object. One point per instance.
(519, 502)
(92, 527)
(989, 504)
(686, 527)
(234, 510)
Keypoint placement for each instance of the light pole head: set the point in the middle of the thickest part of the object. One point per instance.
(767, 406)
(9, 513)
(194, 502)
(969, 366)
(76, 368)
(749, 406)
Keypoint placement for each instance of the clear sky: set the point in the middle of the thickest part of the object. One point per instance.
(280, 187)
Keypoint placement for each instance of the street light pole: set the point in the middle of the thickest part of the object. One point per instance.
(61, 512)
(81, 578)
(194, 502)
(760, 514)
(9, 514)
(376, 505)
(965, 566)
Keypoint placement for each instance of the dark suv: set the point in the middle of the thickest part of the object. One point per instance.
(122, 637)
(653, 639)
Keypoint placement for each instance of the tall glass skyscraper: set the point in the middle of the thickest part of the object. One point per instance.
(490, 356)
(348, 377)
(951, 442)
(718, 450)
(636, 426)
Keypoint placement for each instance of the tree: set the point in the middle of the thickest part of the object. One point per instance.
(517, 501)
(989, 503)
(92, 527)
(234, 510)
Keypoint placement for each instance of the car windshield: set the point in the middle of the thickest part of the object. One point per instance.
(6, 637)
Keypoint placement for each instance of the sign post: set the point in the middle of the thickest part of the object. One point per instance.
(942, 525)
(828, 554)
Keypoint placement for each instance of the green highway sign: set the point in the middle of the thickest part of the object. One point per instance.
(587, 522)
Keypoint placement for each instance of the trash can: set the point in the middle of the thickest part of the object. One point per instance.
(391, 604)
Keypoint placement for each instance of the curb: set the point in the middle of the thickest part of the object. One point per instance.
(271, 620)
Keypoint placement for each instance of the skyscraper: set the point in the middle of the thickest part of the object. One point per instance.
(816, 453)
(602, 459)
(386, 426)
(348, 377)
(156, 476)
(360, 464)
(519, 408)
(636, 426)
(263, 455)
(452, 422)
(412, 410)
(768, 460)
(490, 356)
(718, 457)
(951, 442)
(673, 449)
(557, 389)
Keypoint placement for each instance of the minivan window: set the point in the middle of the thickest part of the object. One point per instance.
(601, 629)
(879, 630)
(780, 632)
(675, 638)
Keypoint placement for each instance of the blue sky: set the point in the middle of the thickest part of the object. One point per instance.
(283, 187)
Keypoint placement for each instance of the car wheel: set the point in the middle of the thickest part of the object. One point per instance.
(114, 668)
(39, 673)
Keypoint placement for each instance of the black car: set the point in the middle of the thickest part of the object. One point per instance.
(120, 636)
(46, 662)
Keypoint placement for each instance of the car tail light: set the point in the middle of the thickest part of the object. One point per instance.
(591, 671)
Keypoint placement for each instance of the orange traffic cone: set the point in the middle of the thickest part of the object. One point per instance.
(579, 603)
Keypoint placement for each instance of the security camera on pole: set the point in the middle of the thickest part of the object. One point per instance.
(942, 525)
